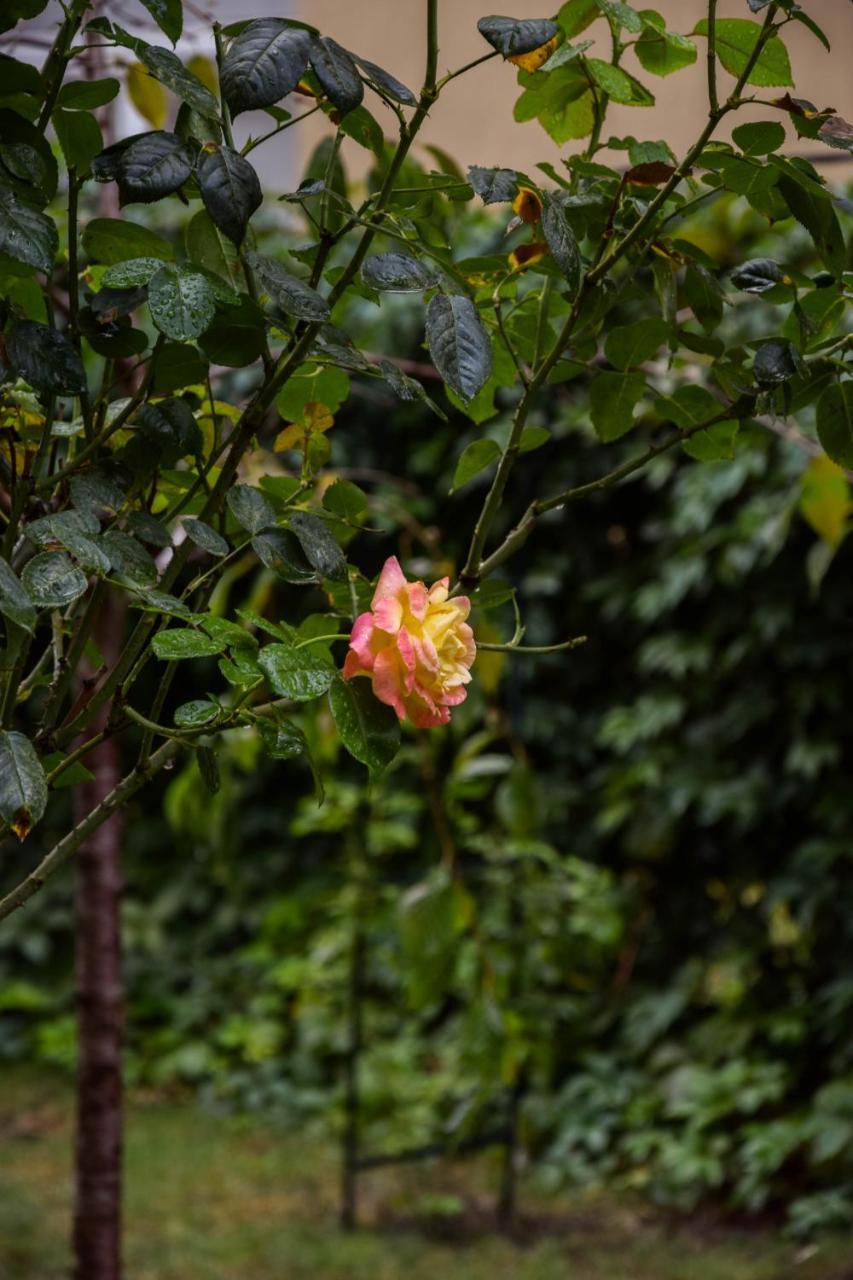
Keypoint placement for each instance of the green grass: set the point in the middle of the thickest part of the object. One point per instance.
(209, 1198)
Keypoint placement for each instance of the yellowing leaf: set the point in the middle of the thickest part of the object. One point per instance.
(825, 500)
(533, 60)
(317, 418)
(147, 95)
(290, 437)
(526, 254)
(204, 70)
(527, 206)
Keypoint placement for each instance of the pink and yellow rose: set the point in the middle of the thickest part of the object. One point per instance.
(415, 646)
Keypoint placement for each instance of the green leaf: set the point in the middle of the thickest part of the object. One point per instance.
(23, 786)
(182, 302)
(238, 338)
(835, 422)
(533, 438)
(195, 714)
(618, 85)
(177, 365)
(396, 273)
(15, 604)
(93, 491)
(759, 138)
(369, 729)
(345, 499)
(562, 101)
(152, 166)
(18, 77)
(79, 137)
(207, 247)
(813, 209)
(168, 430)
(514, 36)
(169, 16)
(743, 175)
(716, 444)
(561, 240)
(129, 558)
(26, 235)
(704, 296)
(167, 67)
(131, 273)
(280, 551)
(282, 739)
(114, 240)
(179, 643)
(51, 580)
(71, 530)
(249, 508)
(229, 188)
(263, 63)
(632, 344)
(87, 95)
(321, 549)
(662, 52)
(458, 343)
(476, 456)
(45, 358)
(613, 397)
(576, 15)
(321, 385)
(688, 407)
(300, 674)
(294, 296)
(70, 777)
(149, 529)
(337, 73)
(735, 41)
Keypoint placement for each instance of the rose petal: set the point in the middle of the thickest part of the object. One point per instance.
(391, 582)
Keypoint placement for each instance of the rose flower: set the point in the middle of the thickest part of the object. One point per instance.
(415, 646)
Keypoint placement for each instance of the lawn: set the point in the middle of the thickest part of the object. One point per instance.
(213, 1198)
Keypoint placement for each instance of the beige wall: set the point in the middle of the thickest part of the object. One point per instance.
(473, 119)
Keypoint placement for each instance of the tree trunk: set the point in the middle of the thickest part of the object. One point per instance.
(100, 1009)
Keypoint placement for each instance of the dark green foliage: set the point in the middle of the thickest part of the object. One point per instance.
(263, 63)
(229, 188)
(458, 343)
(45, 358)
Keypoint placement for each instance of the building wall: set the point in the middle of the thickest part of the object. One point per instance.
(473, 119)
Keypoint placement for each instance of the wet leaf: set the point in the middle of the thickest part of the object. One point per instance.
(23, 786)
(300, 674)
(263, 63)
(230, 190)
(459, 344)
(182, 303)
(45, 358)
(368, 728)
(27, 235)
